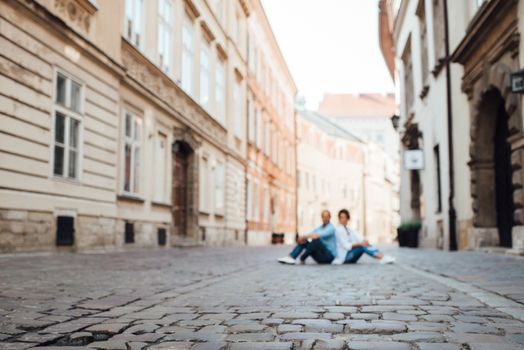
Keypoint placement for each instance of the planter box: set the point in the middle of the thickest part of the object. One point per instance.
(408, 238)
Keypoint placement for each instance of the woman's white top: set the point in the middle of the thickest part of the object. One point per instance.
(346, 237)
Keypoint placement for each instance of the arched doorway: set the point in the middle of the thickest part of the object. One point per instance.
(493, 172)
(185, 186)
(181, 156)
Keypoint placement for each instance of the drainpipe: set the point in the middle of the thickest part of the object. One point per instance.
(295, 136)
(451, 212)
(246, 159)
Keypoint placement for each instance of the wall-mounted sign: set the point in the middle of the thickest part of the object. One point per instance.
(517, 82)
(414, 159)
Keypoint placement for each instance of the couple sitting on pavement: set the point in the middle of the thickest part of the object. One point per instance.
(327, 245)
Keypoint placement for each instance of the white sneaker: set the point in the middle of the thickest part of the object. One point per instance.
(287, 260)
(387, 260)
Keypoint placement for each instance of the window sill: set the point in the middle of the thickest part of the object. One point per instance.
(72, 181)
(220, 215)
(438, 67)
(424, 91)
(129, 198)
(161, 204)
(204, 212)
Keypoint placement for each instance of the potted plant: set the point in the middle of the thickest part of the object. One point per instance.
(408, 233)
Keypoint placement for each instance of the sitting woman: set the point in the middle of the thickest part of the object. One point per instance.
(350, 247)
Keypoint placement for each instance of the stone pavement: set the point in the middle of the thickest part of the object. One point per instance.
(240, 298)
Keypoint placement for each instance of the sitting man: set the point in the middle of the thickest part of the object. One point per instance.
(320, 244)
(350, 247)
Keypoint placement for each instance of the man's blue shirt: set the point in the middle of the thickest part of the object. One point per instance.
(328, 237)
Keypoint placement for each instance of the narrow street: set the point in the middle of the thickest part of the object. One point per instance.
(240, 298)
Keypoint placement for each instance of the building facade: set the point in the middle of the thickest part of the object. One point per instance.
(336, 170)
(452, 65)
(123, 123)
(367, 115)
(330, 164)
(271, 170)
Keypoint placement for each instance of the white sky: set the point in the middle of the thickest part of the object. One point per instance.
(331, 46)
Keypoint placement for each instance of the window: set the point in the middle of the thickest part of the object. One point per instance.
(204, 189)
(65, 230)
(132, 153)
(134, 26)
(478, 3)
(438, 33)
(164, 35)
(250, 120)
(220, 92)
(408, 77)
(236, 27)
(220, 177)
(237, 102)
(67, 127)
(218, 8)
(436, 152)
(187, 57)
(129, 233)
(204, 76)
(256, 126)
(421, 13)
(266, 205)
(160, 168)
(266, 138)
(256, 201)
(250, 200)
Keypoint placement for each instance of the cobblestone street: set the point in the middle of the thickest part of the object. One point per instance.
(240, 298)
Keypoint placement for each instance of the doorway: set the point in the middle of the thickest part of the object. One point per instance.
(180, 193)
(492, 169)
(503, 177)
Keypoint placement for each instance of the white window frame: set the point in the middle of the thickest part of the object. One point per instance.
(238, 108)
(256, 201)
(220, 91)
(165, 28)
(218, 7)
(135, 143)
(133, 31)
(205, 76)
(160, 177)
(68, 114)
(188, 57)
(220, 185)
(204, 185)
(250, 200)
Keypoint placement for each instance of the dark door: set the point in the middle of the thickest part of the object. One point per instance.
(503, 179)
(180, 190)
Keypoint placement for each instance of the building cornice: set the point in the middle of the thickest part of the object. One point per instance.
(399, 19)
(492, 33)
(274, 43)
(490, 17)
(167, 94)
(60, 28)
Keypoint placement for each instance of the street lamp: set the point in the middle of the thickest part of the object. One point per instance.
(517, 82)
(395, 121)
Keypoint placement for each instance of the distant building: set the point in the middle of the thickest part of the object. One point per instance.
(336, 170)
(271, 169)
(366, 115)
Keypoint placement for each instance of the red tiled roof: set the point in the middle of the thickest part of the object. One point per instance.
(371, 105)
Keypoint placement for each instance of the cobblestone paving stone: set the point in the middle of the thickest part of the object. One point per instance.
(240, 298)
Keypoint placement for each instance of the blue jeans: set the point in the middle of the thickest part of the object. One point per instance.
(316, 249)
(354, 254)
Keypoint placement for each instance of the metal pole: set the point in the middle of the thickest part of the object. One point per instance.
(451, 212)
